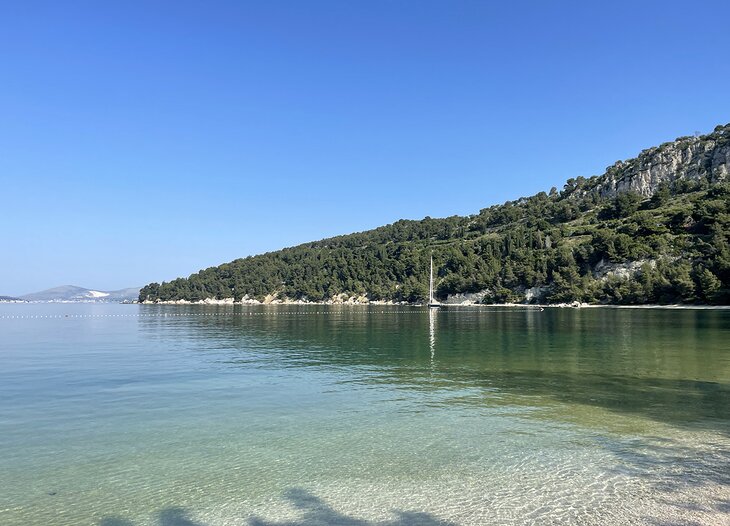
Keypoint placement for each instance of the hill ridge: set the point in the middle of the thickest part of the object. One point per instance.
(74, 293)
(650, 229)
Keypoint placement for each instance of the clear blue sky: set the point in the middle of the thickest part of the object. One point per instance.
(144, 141)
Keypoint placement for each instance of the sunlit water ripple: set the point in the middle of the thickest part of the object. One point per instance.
(126, 415)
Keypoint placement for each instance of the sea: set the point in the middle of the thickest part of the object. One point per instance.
(306, 415)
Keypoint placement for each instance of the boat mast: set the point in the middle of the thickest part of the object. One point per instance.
(430, 284)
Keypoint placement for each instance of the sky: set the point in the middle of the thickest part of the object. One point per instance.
(142, 141)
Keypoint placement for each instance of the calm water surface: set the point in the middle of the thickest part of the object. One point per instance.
(126, 415)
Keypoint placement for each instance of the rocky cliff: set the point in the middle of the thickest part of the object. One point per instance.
(693, 158)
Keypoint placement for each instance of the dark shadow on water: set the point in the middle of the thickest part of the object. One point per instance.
(673, 469)
(316, 512)
(176, 517)
(313, 511)
(113, 521)
(671, 466)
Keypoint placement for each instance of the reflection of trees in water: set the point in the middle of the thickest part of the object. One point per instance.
(659, 365)
(627, 361)
(313, 511)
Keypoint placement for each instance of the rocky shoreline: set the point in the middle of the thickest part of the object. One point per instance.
(466, 304)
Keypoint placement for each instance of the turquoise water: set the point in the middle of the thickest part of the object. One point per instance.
(127, 415)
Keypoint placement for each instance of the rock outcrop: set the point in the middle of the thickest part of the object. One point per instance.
(693, 158)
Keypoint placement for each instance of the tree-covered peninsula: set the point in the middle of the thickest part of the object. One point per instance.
(654, 229)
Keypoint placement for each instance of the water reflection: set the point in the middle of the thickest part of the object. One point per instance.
(432, 334)
(562, 416)
(669, 366)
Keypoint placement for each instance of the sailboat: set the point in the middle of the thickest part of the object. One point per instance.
(432, 303)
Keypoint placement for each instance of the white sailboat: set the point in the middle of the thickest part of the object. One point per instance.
(432, 303)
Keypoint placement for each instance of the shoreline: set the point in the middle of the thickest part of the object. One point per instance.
(575, 305)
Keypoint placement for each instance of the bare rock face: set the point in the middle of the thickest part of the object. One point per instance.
(466, 298)
(692, 158)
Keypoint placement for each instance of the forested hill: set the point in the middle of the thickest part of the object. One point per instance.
(654, 229)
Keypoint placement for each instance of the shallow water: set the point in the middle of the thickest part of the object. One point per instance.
(126, 415)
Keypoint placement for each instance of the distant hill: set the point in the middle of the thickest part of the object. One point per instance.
(654, 229)
(9, 298)
(72, 293)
